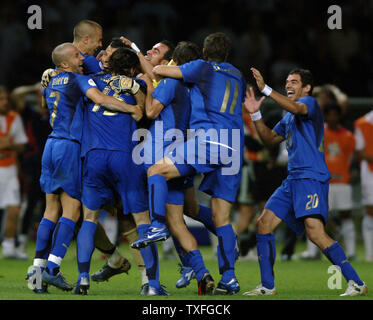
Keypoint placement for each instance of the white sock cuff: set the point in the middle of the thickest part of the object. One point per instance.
(55, 259)
(40, 262)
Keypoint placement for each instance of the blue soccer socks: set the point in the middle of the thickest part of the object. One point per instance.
(61, 240)
(85, 247)
(337, 256)
(158, 191)
(43, 241)
(195, 260)
(226, 251)
(205, 216)
(150, 257)
(266, 257)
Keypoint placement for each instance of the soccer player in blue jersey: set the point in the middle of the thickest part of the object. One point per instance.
(302, 199)
(169, 105)
(88, 39)
(61, 173)
(108, 169)
(217, 94)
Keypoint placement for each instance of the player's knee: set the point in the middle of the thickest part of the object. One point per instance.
(264, 223)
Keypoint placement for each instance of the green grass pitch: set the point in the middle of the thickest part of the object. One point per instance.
(295, 280)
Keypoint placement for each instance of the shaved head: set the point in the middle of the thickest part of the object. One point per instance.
(67, 58)
(85, 28)
(88, 36)
(61, 53)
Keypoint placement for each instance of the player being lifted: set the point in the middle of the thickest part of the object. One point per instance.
(61, 169)
(217, 95)
(169, 105)
(302, 199)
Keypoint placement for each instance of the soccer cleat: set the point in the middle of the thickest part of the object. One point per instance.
(230, 287)
(82, 286)
(151, 236)
(157, 291)
(144, 289)
(206, 285)
(260, 291)
(34, 280)
(354, 289)
(107, 272)
(58, 281)
(186, 275)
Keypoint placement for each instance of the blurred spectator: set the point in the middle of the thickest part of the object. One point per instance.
(35, 118)
(12, 142)
(364, 147)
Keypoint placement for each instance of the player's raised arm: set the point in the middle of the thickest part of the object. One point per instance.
(152, 106)
(268, 136)
(114, 104)
(285, 102)
(168, 71)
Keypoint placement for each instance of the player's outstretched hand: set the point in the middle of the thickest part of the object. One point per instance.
(259, 78)
(251, 104)
(137, 113)
(126, 41)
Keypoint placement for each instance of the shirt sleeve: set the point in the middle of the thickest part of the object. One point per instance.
(193, 70)
(311, 104)
(85, 83)
(17, 131)
(165, 91)
(91, 65)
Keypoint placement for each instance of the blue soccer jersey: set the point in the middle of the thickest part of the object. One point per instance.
(90, 64)
(221, 91)
(105, 129)
(63, 95)
(173, 121)
(107, 148)
(304, 136)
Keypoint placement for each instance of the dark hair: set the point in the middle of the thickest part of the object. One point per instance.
(171, 47)
(186, 51)
(122, 60)
(117, 43)
(305, 76)
(216, 47)
(332, 105)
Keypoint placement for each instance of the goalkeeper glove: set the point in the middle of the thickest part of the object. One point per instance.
(46, 77)
(122, 84)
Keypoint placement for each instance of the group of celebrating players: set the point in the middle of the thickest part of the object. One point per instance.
(104, 108)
